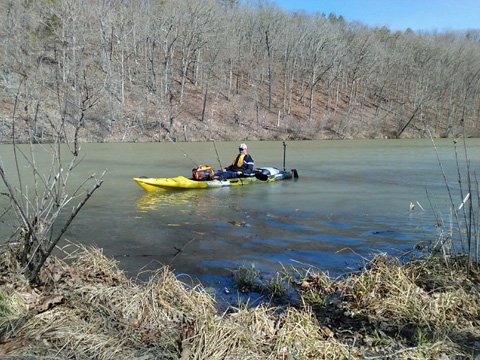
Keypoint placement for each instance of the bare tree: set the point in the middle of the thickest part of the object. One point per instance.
(318, 62)
(153, 55)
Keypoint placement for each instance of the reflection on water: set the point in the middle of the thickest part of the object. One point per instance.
(155, 200)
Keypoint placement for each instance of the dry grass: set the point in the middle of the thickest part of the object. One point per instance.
(403, 294)
(87, 308)
(440, 316)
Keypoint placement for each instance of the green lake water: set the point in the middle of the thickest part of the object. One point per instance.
(352, 200)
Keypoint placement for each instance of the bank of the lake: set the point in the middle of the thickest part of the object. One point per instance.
(86, 307)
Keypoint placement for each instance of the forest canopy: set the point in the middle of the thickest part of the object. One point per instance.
(190, 70)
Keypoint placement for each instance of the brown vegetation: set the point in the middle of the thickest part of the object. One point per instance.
(193, 70)
(87, 308)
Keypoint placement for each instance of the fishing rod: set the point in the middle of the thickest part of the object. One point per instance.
(183, 152)
(218, 156)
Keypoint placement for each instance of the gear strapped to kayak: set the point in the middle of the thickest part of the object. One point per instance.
(203, 172)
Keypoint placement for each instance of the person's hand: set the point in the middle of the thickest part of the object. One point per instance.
(239, 173)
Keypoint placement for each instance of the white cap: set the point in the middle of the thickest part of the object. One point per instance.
(242, 146)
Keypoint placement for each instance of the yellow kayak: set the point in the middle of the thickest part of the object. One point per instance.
(181, 182)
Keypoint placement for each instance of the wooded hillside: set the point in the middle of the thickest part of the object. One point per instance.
(188, 70)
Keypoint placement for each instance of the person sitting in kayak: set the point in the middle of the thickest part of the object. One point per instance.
(242, 165)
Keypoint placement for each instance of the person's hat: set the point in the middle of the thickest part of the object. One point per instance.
(242, 146)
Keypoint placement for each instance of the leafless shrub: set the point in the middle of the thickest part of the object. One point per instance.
(39, 200)
(461, 238)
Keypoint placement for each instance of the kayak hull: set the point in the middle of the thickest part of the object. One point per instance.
(184, 183)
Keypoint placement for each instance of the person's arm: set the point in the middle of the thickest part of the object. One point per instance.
(228, 168)
(248, 164)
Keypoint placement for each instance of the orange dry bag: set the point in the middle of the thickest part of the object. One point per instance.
(203, 172)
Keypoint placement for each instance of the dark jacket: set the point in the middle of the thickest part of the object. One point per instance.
(246, 167)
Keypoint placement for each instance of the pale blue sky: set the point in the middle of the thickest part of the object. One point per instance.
(397, 14)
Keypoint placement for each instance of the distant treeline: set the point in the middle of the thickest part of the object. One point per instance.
(151, 70)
